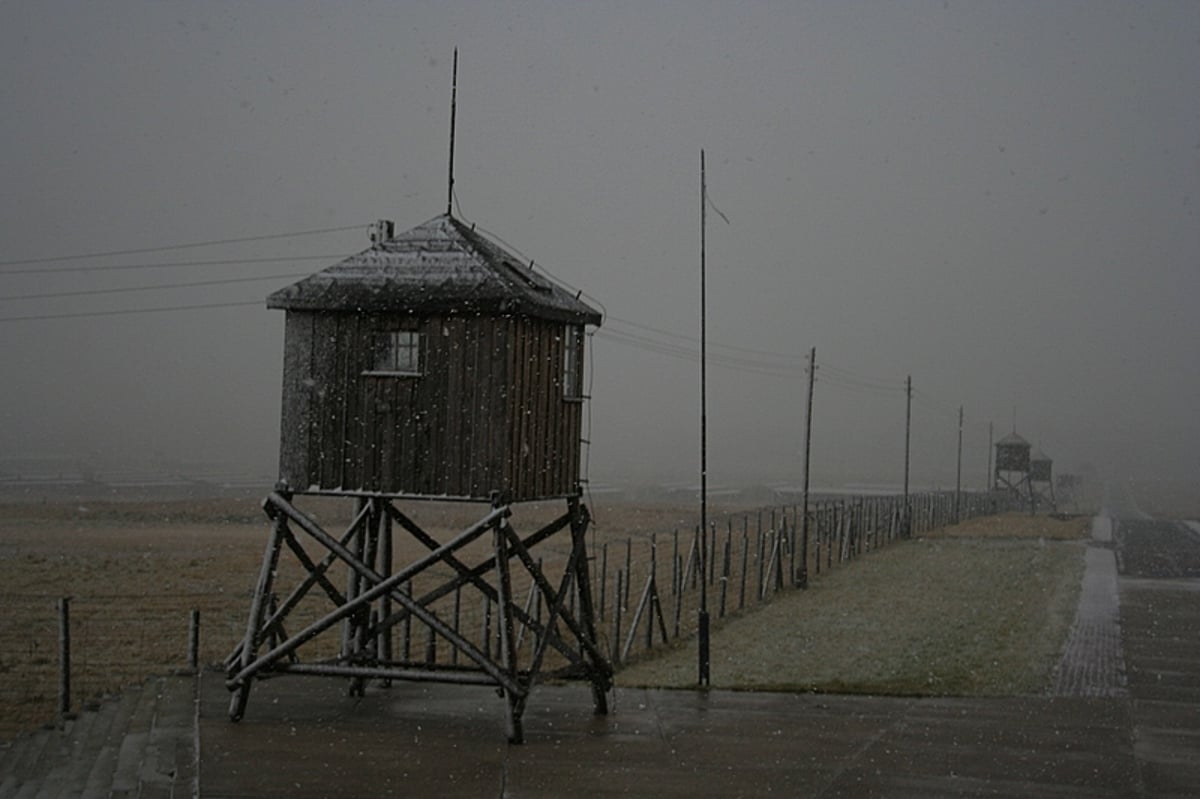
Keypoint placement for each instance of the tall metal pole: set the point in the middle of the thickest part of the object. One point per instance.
(703, 621)
(907, 439)
(453, 114)
(802, 578)
(958, 478)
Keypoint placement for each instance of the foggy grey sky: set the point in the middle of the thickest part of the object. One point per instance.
(998, 198)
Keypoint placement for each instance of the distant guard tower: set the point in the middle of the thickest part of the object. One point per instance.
(433, 365)
(1012, 467)
(1041, 480)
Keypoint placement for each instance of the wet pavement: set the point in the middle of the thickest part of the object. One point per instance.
(1093, 660)
(304, 737)
(438, 740)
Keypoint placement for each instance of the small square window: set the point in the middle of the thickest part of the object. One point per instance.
(398, 352)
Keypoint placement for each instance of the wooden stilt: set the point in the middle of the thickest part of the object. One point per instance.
(262, 592)
(378, 596)
(505, 627)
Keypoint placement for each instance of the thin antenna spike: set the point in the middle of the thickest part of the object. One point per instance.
(453, 115)
(702, 632)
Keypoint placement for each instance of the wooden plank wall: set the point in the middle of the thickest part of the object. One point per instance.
(296, 433)
(487, 413)
(545, 434)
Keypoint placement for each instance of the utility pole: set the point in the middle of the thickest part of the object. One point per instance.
(958, 477)
(702, 633)
(907, 440)
(802, 578)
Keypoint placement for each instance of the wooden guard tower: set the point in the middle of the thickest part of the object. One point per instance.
(1012, 466)
(1041, 480)
(433, 365)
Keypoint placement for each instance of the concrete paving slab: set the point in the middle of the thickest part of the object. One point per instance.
(306, 737)
(311, 740)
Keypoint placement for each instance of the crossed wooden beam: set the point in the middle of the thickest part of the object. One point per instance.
(376, 601)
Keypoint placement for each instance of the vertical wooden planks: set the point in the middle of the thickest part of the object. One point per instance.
(296, 417)
(487, 413)
(325, 376)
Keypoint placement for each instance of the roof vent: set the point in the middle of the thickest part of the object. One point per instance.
(382, 231)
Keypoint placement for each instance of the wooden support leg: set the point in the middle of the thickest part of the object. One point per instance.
(384, 645)
(352, 628)
(514, 701)
(258, 607)
(601, 682)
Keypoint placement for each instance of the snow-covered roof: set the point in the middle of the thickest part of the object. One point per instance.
(440, 266)
(1038, 457)
(1012, 440)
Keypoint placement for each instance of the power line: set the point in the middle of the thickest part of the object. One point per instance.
(128, 289)
(680, 336)
(856, 388)
(763, 362)
(861, 380)
(937, 404)
(171, 264)
(129, 311)
(687, 353)
(213, 243)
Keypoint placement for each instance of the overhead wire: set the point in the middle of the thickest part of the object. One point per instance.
(129, 311)
(170, 264)
(160, 287)
(802, 359)
(171, 247)
(688, 353)
(659, 341)
(935, 403)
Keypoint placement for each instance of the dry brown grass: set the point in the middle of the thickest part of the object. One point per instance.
(978, 609)
(135, 570)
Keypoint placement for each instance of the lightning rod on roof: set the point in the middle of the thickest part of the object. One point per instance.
(453, 112)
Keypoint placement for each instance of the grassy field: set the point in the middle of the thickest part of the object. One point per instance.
(978, 609)
(135, 571)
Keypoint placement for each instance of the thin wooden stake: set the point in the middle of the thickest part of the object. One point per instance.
(193, 661)
(617, 605)
(745, 556)
(64, 657)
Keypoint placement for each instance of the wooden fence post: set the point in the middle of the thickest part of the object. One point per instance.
(793, 578)
(618, 593)
(725, 574)
(193, 661)
(745, 556)
(64, 657)
(678, 579)
(628, 570)
(675, 562)
(603, 578)
(712, 552)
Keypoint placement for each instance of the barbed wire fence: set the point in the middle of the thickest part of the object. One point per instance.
(648, 593)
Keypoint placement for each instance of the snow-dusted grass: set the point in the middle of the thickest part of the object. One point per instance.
(984, 614)
(982, 609)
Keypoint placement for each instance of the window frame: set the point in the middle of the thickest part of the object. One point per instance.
(573, 364)
(414, 346)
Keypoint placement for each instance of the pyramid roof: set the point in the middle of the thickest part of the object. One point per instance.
(443, 266)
